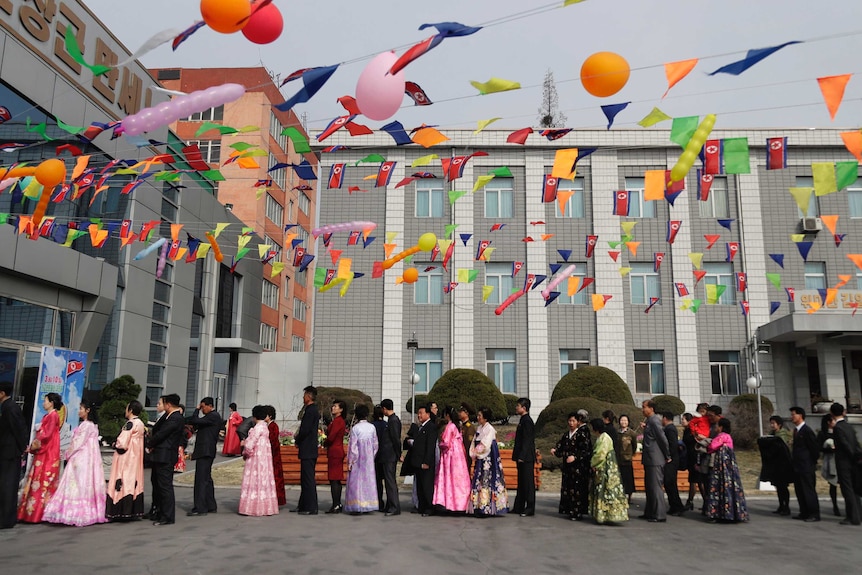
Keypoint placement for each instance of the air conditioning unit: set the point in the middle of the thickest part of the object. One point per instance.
(811, 225)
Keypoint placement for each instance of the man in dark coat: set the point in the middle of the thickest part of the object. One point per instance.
(524, 454)
(13, 442)
(389, 462)
(307, 442)
(847, 457)
(207, 426)
(422, 459)
(804, 456)
(163, 446)
(671, 468)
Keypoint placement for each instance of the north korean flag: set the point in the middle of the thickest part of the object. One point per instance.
(681, 289)
(297, 256)
(516, 267)
(417, 94)
(713, 157)
(672, 187)
(481, 249)
(448, 288)
(621, 203)
(549, 190)
(125, 229)
(652, 302)
(776, 153)
(791, 294)
(330, 274)
(658, 258)
(528, 282)
(454, 167)
(334, 126)
(353, 239)
(74, 367)
(732, 249)
(174, 249)
(47, 227)
(435, 253)
(326, 239)
(704, 183)
(591, 245)
(744, 306)
(384, 174)
(336, 176)
(672, 229)
(741, 281)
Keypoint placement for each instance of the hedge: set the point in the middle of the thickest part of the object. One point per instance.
(351, 397)
(596, 382)
(457, 386)
(669, 403)
(743, 414)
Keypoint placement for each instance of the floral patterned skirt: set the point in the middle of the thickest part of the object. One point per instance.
(608, 501)
(488, 494)
(725, 500)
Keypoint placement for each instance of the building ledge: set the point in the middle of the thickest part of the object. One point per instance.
(236, 345)
(799, 326)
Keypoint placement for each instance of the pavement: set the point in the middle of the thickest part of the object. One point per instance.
(328, 544)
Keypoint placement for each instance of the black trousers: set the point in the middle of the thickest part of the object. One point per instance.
(204, 488)
(154, 482)
(783, 491)
(806, 494)
(851, 498)
(163, 491)
(10, 473)
(672, 489)
(525, 500)
(389, 485)
(425, 489)
(308, 486)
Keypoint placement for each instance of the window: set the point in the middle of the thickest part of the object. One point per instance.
(285, 326)
(275, 129)
(499, 200)
(267, 337)
(210, 150)
(304, 203)
(278, 176)
(297, 343)
(274, 211)
(854, 196)
(169, 210)
(298, 309)
(718, 273)
(301, 277)
(269, 297)
(644, 282)
(716, 205)
(579, 298)
(638, 207)
(302, 234)
(212, 115)
(815, 275)
(428, 289)
(813, 206)
(429, 199)
(429, 368)
(286, 286)
(575, 205)
(572, 359)
(498, 275)
(649, 371)
(724, 368)
(500, 366)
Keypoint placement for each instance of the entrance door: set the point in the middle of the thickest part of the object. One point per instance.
(220, 385)
(29, 379)
(9, 367)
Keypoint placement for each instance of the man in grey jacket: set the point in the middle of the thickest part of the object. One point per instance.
(656, 454)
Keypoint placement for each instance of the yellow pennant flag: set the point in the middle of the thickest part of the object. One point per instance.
(696, 259)
(482, 124)
(625, 271)
(796, 238)
(653, 118)
(825, 181)
(333, 283)
(654, 184)
(370, 177)
(563, 197)
(202, 251)
(220, 227)
(277, 268)
(802, 196)
(686, 303)
(482, 181)
(259, 192)
(34, 190)
(464, 276)
(261, 250)
(712, 294)
(633, 248)
(242, 241)
(390, 237)
(344, 268)
(424, 161)
(628, 227)
(486, 254)
(813, 306)
(346, 285)
(564, 164)
(486, 292)
(573, 285)
(495, 85)
(444, 245)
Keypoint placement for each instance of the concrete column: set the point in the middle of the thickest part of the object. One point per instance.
(395, 335)
(831, 366)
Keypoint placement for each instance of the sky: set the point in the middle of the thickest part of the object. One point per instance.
(521, 43)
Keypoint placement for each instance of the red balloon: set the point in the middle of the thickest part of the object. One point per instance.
(265, 25)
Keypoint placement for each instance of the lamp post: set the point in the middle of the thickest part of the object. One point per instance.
(754, 379)
(413, 345)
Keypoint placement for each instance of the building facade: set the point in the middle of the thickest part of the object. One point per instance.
(282, 209)
(162, 328)
(683, 346)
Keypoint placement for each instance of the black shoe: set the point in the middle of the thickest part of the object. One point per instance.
(213, 511)
(647, 517)
(836, 511)
(307, 512)
(689, 506)
(160, 523)
(654, 520)
(785, 512)
(293, 510)
(800, 517)
(576, 517)
(779, 511)
(812, 519)
(196, 514)
(414, 511)
(847, 522)
(528, 514)
(678, 513)
(335, 509)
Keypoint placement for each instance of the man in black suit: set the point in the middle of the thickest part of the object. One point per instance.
(208, 427)
(393, 431)
(306, 440)
(804, 458)
(847, 456)
(671, 468)
(13, 442)
(163, 446)
(422, 458)
(524, 454)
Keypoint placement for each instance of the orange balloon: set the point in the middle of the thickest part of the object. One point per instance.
(50, 172)
(604, 74)
(410, 275)
(223, 15)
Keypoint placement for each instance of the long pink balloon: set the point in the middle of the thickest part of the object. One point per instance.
(343, 227)
(165, 113)
(509, 301)
(558, 279)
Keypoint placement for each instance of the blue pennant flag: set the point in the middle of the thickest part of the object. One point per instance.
(751, 58)
(778, 258)
(611, 111)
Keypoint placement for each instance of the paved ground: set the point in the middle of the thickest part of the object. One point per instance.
(324, 544)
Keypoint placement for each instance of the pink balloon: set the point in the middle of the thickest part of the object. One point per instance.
(378, 93)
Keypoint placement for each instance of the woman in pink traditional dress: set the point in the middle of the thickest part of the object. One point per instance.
(125, 498)
(80, 496)
(44, 474)
(277, 465)
(452, 481)
(231, 439)
(361, 493)
(257, 495)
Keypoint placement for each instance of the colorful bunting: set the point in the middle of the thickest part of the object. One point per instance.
(653, 118)
(736, 156)
(824, 178)
(611, 111)
(832, 88)
(751, 58)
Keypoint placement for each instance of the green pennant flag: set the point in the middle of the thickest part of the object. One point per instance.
(683, 129)
(207, 126)
(450, 229)
(167, 176)
(3, 218)
(39, 129)
(653, 118)
(213, 175)
(774, 278)
(241, 253)
(408, 259)
(846, 173)
(626, 239)
(371, 159)
(125, 172)
(714, 293)
(695, 305)
(241, 146)
(74, 130)
(503, 172)
(736, 158)
(614, 245)
(455, 196)
(75, 52)
(300, 142)
(319, 277)
(472, 275)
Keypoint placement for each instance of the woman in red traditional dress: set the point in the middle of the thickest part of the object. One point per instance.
(277, 468)
(335, 453)
(44, 474)
(231, 439)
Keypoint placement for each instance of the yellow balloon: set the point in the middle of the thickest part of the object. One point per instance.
(689, 155)
(427, 242)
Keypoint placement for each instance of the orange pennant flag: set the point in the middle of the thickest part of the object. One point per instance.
(832, 88)
(97, 236)
(387, 250)
(128, 239)
(573, 285)
(97, 192)
(399, 280)
(546, 237)
(654, 185)
(830, 295)
(599, 301)
(844, 279)
(181, 253)
(676, 71)
(813, 307)
(856, 259)
(830, 222)
(80, 166)
(175, 231)
(563, 197)
(853, 143)
(427, 137)
(564, 164)
(633, 248)
(24, 224)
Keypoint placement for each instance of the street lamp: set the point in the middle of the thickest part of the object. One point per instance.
(754, 379)
(413, 345)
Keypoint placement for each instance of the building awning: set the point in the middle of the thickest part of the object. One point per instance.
(236, 345)
(797, 327)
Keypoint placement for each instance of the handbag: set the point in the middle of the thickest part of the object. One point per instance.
(35, 446)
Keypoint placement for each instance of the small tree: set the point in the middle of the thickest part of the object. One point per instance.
(669, 403)
(112, 412)
(593, 381)
(421, 399)
(549, 112)
(457, 386)
(351, 397)
(743, 413)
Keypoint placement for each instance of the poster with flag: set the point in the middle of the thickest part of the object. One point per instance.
(741, 281)
(673, 227)
(658, 258)
(681, 289)
(591, 245)
(713, 160)
(776, 153)
(732, 250)
(549, 190)
(791, 294)
(621, 203)
(384, 174)
(529, 281)
(704, 184)
(61, 371)
(336, 176)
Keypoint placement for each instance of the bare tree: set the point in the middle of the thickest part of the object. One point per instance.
(549, 113)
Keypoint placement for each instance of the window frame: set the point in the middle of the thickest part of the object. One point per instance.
(645, 272)
(707, 209)
(820, 274)
(496, 188)
(636, 198)
(579, 298)
(498, 278)
(434, 188)
(576, 199)
(652, 362)
(268, 337)
(493, 365)
(429, 284)
(723, 366)
(714, 277)
(575, 363)
(299, 309)
(813, 203)
(274, 211)
(269, 294)
(425, 365)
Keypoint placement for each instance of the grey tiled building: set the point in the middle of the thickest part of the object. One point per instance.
(703, 353)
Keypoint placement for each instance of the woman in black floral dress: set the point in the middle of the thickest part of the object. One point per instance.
(575, 448)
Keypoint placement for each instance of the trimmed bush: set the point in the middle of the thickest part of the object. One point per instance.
(421, 399)
(351, 397)
(593, 381)
(669, 403)
(114, 398)
(742, 412)
(511, 403)
(468, 385)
